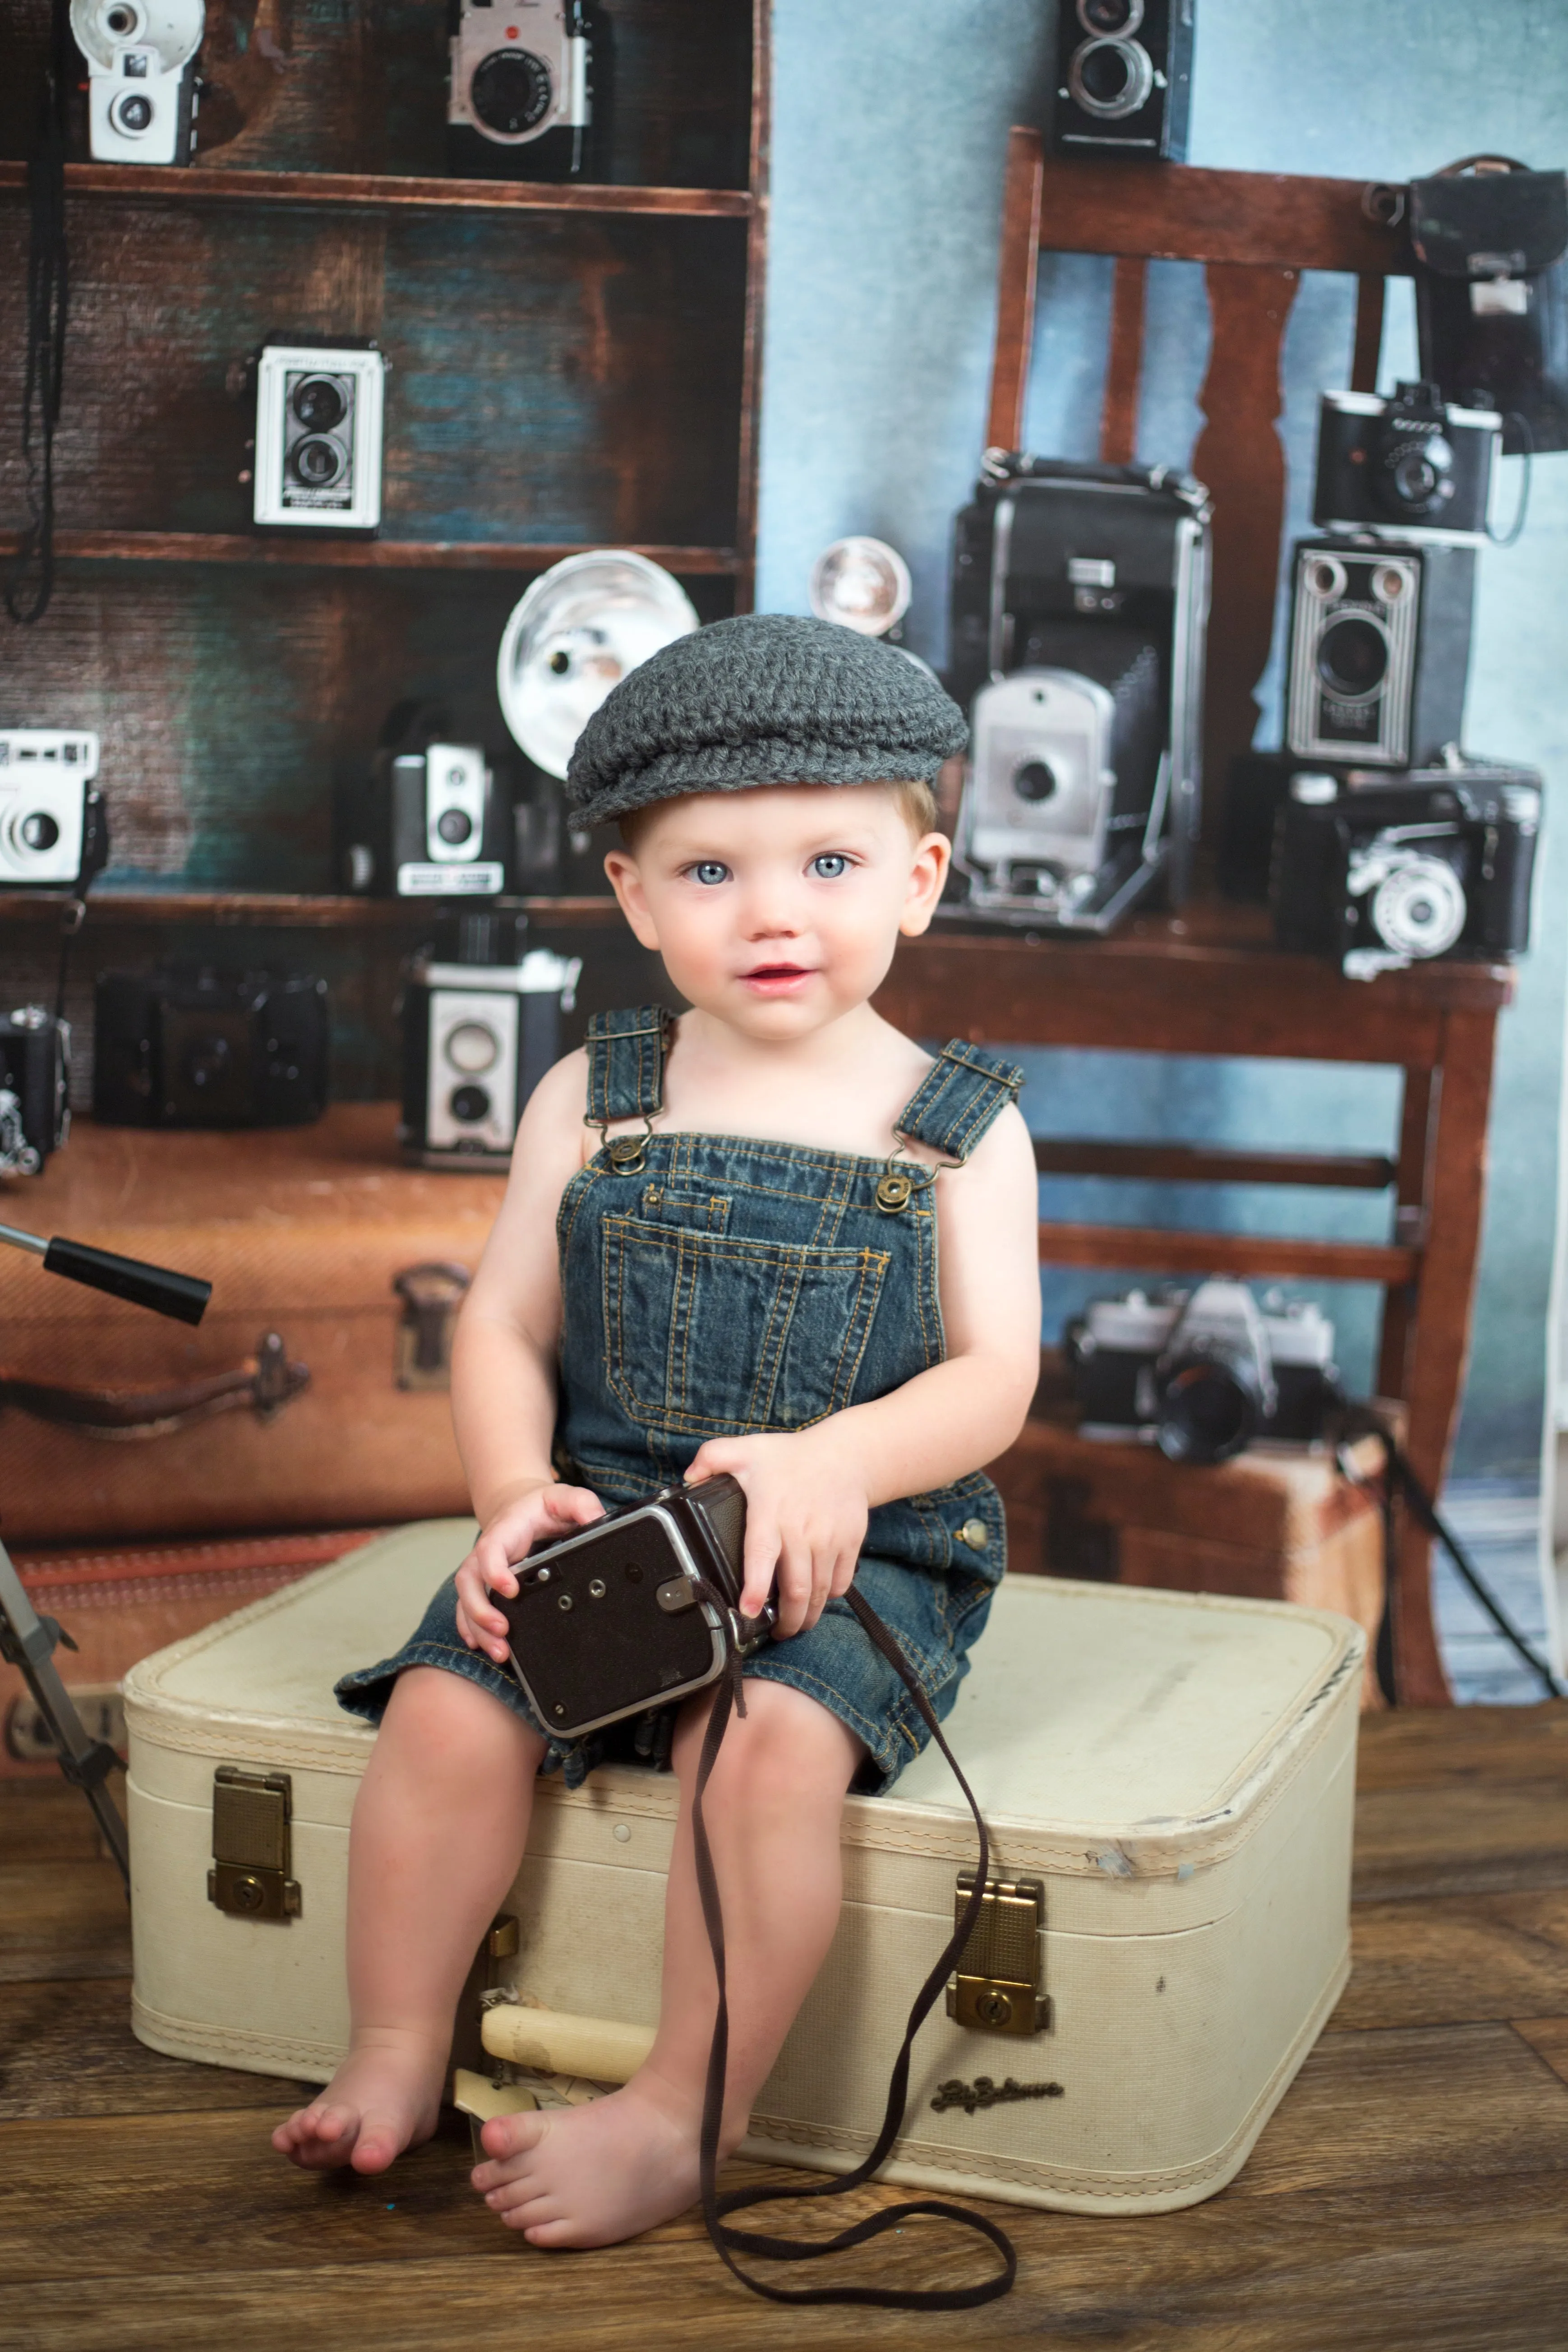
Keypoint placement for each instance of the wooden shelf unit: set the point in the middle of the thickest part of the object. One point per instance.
(286, 910)
(569, 367)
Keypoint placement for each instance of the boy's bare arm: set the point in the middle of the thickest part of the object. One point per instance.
(504, 1360)
(808, 1492)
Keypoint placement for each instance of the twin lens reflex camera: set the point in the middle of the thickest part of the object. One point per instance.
(481, 1024)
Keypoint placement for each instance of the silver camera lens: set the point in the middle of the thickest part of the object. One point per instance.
(1420, 911)
(453, 825)
(1035, 781)
(472, 1047)
(1110, 18)
(1327, 578)
(1353, 656)
(120, 20)
(1111, 78)
(318, 404)
(38, 830)
(316, 462)
(131, 114)
(511, 91)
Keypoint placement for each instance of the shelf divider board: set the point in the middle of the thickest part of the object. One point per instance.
(285, 909)
(379, 191)
(316, 547)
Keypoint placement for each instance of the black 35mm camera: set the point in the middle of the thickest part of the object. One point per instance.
(1409, 465)
(35, 1088)
(610, 1621)
(198, 1047)
(1202, 1372)
(1381, 872)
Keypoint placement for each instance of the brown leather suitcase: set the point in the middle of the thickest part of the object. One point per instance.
(117, 1607)
(1277, 1523)
(314, 1393)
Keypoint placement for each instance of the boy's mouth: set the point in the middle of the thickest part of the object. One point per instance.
(775, 979)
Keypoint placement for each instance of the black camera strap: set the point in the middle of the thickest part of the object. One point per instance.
(715, 2204)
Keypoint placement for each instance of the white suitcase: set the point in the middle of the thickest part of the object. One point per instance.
(1175, 1771)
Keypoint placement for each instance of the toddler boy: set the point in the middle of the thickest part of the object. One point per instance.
(772, 1237)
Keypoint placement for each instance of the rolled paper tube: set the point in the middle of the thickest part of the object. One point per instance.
(553, 2043)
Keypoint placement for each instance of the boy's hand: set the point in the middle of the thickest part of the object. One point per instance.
(806, 1510)
(546, 1510)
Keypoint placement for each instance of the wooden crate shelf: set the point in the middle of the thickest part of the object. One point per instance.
(290, 909)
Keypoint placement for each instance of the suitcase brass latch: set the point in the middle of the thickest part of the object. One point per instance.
(431, 1297)
(997, 1986)
(251, 1840)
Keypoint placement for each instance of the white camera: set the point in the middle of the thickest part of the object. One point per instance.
(319, 434)
(521, 99)
(482, 1024)
(141, 77)
(52, 833)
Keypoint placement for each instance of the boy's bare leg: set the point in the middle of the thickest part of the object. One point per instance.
(591, 2176)
(438, 1832)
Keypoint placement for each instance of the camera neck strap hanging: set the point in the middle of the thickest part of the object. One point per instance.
(718, 2204)
(31, 580)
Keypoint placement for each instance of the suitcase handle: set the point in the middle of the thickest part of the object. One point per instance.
(266, 1381)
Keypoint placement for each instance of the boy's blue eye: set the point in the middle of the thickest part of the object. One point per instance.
(829, 865)
(710, 869)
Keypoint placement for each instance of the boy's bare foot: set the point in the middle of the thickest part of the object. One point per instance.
(591, 2176)
(385, 2097)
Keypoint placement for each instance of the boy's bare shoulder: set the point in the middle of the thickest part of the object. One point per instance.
(552, 1122)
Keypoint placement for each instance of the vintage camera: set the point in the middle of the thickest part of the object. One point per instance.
(318, 402)
(1408, 464)
(1385, 871)
(521, 98)
(1125, 72)
(141, 77)
(1491, 247)
(428, 822)
(35, 1088)
(193, 1047)
(1080, 599)
(1200, 1373)
(481, 1024)
(1379, 650)
(610, 1621)
(53, 834)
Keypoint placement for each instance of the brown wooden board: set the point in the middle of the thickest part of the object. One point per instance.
(562, 378)
(355, 90)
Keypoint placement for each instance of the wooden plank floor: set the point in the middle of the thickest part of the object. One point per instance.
(1411, 2193)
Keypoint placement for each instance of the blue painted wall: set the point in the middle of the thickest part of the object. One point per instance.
(890, 124)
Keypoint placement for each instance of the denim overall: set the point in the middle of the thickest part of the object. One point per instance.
(715, 1285)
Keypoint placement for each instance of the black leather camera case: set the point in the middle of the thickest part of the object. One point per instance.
(633, 1612)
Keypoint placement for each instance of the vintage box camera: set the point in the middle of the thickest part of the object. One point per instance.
(1125, 76)
(610, 1621)
(522, 89)
(1490, 246)
(1080, 600)
(1202, 1372)
(1385, 871)
(141, 77)
(318, 402)
(481, 1024)
(1408, 465)
(192, 1046)
(424, 824)
(1379, 650)
(53, 832)
(35, 1088)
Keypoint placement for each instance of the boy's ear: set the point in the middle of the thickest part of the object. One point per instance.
(627, 884)
(928, 873)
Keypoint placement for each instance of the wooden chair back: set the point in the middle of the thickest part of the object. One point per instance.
(1254, 232)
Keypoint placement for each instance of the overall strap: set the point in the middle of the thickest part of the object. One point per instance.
(626, 1063)
(960, 1096)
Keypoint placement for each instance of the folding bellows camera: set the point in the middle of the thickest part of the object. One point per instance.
(1080, 603)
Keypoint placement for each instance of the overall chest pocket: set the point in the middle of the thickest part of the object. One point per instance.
(706, 1335)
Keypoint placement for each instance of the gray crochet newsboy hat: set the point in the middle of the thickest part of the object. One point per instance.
(767, 698)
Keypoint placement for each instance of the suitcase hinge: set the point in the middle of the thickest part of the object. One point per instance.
(251, 1846)
(997, 1986)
